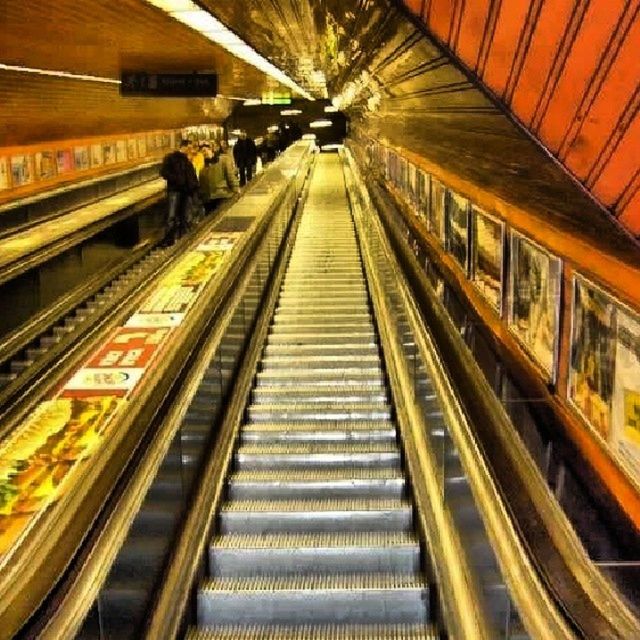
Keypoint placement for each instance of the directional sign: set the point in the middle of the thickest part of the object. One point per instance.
(169, 85)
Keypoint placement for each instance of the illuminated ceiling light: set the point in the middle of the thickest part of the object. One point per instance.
(309, 136)
(290, 112)
(330, 109)
(190, 14)
(236, 132)
(321, 124)
(58, 74)
(252, 102)
(273, 128)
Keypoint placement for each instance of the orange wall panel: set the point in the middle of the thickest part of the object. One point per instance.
(474, 17)
(614, 100)
(631, 215)
(545, 42)
(504, 44)
(579, 70)
(439, 17)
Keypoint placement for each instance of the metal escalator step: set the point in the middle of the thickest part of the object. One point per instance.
(316, 632)
(313, 395)
(314, 516)
(301, 319)
(316, 455)
(304, 350)
(320, 411)
(356, 598)
(308, 484)
(318, 431)
(293, 554)
(320, 377)
(366, 337)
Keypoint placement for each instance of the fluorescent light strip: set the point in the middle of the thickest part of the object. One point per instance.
(58, 74)
(190, 14)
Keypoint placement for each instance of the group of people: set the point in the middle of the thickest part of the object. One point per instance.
(198, 176)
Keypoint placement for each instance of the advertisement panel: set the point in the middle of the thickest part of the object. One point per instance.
(487, 256)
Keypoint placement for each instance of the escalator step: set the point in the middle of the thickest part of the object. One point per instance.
(315, 599)
(320, 349)
(320, 376)
(294, 554)
(358, 337)
(318, 431)
(317, 455)
(320, 411)
(316, 632)
(306, 484)
(338, 393)
(289, 516)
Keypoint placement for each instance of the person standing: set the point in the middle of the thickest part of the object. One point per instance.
(218, 179)
(246, 156)
(182, 184)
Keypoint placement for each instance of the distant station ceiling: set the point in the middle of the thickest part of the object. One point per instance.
(443, 78)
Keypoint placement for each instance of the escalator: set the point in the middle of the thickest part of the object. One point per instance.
(316, 537)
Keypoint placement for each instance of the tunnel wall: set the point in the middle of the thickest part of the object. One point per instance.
(569, 71)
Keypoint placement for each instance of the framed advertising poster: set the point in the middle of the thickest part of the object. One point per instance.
(403, 167)
(81, 158)
(45, 165)
(5, 182)
(458, 229)
(487, 256)
(109, 153)
(64, 161)
(534, 300)
(626, 389)
(151, 142)
(21, 170)
(142, 147)
(424, 189)
(132, 149)
(437, 203)
(121, 151)
(412, 184)
(593, 353)
(96, 155)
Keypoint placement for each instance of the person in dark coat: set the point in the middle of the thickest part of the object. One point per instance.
(246, 155)
(182, 185)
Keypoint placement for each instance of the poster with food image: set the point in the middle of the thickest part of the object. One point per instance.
(593, 354)
(437, 203)
(45, 165)
(109, 153)
(458, 228)
(121, 151)
(21, 170)
(487, 256)
(96, 155)
(5, 180)
(142, 147)
(132, 149)
(81, 158)
(64, 161)
(40, 455)
(534, 300)
(626, 389)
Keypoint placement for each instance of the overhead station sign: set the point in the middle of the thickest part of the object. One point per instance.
(169, 85)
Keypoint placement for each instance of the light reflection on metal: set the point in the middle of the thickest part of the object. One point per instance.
(290, 112)
(252, 102)
(190, 14)
(58, 74)
(330, 109)
(309, 136)
(321, 124)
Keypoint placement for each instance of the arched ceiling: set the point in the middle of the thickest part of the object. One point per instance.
(396, 68)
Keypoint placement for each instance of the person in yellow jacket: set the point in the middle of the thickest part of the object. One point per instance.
(218, 180)
(198, 157)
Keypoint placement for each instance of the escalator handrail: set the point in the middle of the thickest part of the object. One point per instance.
(596, 609)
